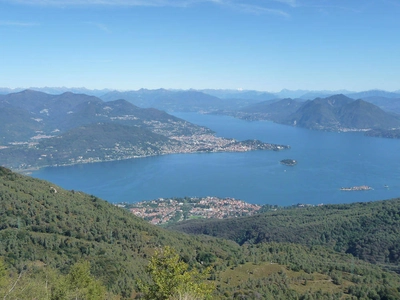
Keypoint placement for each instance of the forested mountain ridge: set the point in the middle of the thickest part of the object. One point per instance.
(48, 130)
(45, 226)
(90, 143)
(57, 113)
(35, 102)
(271, 110)
(337, 113)
(368, 231)
(43, 222)
(200, 100)
(341, 113)
(50, 113)
(391, 105)
(168, 100)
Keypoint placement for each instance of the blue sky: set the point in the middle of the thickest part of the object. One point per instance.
(264, 45)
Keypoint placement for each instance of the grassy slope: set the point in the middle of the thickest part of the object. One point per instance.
(290, 271)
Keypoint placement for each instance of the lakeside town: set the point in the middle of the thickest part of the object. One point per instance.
(180, 144)
(165, 211)
(60, 156)
(212, 143)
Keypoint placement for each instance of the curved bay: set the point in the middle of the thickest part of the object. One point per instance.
(326, 162)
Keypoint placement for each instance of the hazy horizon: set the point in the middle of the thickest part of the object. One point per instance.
(16, 89)
(201, 44)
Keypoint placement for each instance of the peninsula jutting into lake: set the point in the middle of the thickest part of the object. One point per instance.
(199, 149)
(69, 129)
(253, 176)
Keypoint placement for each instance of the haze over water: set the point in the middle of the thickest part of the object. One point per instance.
(326, 162)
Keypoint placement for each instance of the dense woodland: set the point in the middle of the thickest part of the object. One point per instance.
(368, 231)
(59, 244)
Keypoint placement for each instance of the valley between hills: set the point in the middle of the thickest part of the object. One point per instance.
(50, 236)
(42, 130)
(199, 150)
(65, 244)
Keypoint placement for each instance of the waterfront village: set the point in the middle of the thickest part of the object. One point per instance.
(164, 211)
(180, 144)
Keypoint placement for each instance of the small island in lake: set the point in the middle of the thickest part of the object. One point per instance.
(289, 162)
(356, 188)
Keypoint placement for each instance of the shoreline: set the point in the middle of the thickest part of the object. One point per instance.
(356, 188)
(29, 170)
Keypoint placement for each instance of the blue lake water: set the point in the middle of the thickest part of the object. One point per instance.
(326, 162)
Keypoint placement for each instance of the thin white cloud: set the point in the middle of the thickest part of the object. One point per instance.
(100, 26)
(102, 2)
(240, 5)
(17, 24)
(138, 2)
(258, 10)
(327, 8)
(292, 3)
(330, 5)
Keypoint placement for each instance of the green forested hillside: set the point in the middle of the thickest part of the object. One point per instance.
(16, 124)
(336, 112)
(273, 110)
(42, 222)
(54, 114)
(89, 143)
(39, 129)
(292, 271)
(46, 231)
(369, 231)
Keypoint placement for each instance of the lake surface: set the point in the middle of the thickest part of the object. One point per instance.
(326, 162)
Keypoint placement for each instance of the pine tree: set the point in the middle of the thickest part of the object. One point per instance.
(171, 278)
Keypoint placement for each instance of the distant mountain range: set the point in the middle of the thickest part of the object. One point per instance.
(46, 114)
(342, 113)
(218, 99)
(57, 90)
(272, 110)
(37, 128)
(336, 112)
(168, 100)
(40, 129)
(389, 104)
